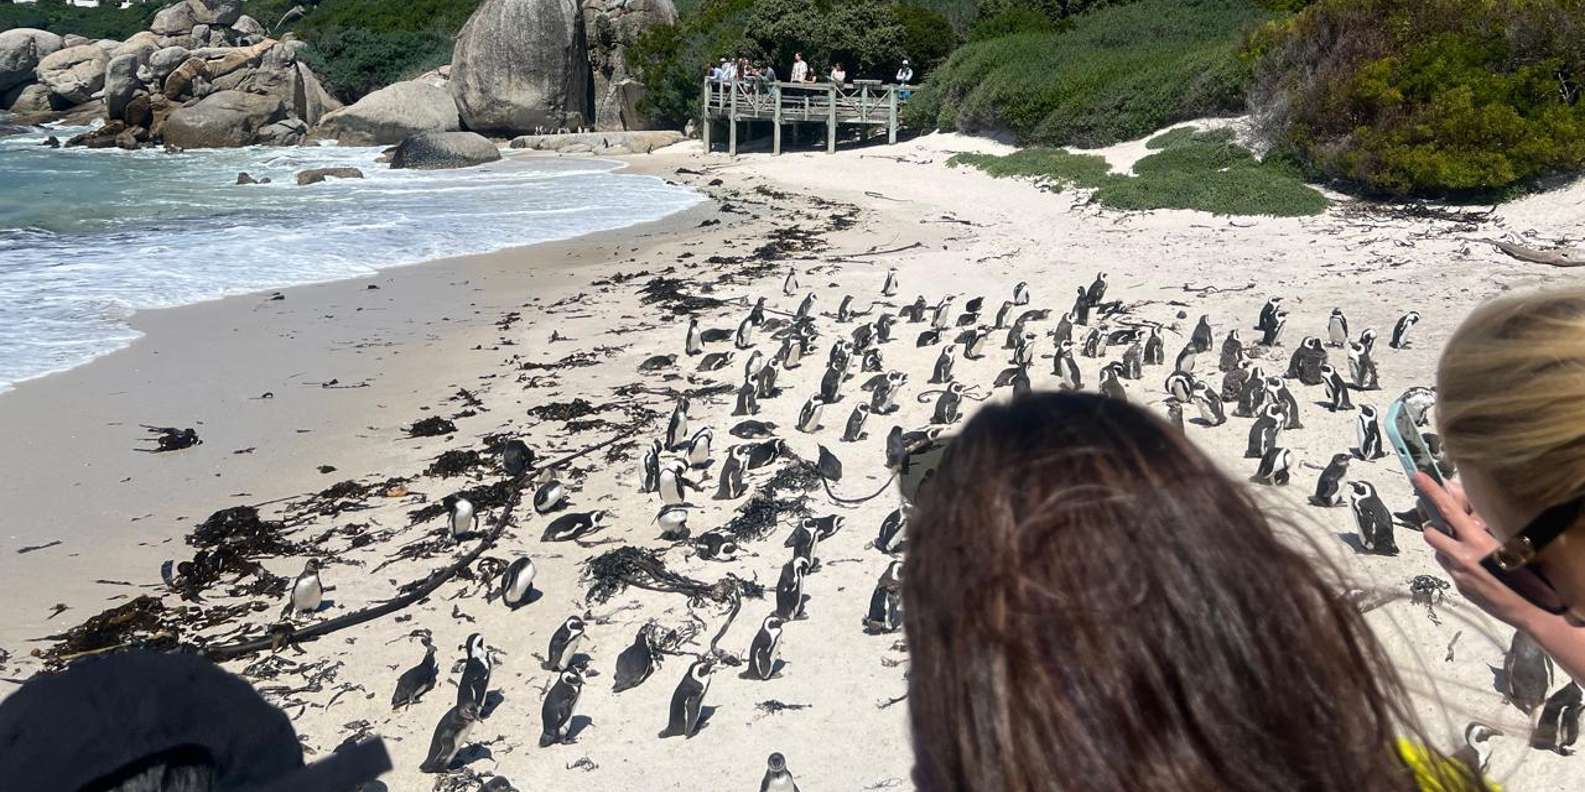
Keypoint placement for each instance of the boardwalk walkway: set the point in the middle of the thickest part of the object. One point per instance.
(867, 102)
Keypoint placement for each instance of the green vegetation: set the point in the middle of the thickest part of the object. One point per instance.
(1449, 98)
(869, 37)
(1191, 170)
(57, 16)
(1117, 73)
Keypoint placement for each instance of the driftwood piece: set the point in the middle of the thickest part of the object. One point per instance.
(282, 634)
(1551, 258)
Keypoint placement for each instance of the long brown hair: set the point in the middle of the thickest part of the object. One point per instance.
(1092, 605)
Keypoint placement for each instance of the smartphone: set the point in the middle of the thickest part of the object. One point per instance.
(1404, 435)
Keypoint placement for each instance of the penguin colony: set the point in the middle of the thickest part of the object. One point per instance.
(1246, 375)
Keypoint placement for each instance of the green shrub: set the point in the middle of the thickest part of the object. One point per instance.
(1446, 98)
(1119, 73)
(354, 61)
(1021, 19)
(672, 60)
(57, 16)
(1205, 171)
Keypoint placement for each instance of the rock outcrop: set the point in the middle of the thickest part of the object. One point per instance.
(317, 175)
(392, 114)
(21, 49)
(226, 119)
(437, 150)
(26, 99)
(612, 143)
(121, 84)
(75, 73)
(612, 26)
(522, 65)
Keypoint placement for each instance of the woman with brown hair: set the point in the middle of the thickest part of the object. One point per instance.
(1092, 605)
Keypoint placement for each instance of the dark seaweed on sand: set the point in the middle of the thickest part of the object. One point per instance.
(565, 411)
(141, 621)
(781, 495)
(611, 572)
(483, 496)
(669, 294)
(455, 462)
(432, 426)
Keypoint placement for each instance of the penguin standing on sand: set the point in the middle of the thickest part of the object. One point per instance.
(1209, 403)
(731, 486)
(1081, 309)
(883, 399)
(890, 538)
(854, 431)
(762, 652)
(651, 478)
(1527, 672)
(1337, 397)
(1337, 330)
(450, 734)
(889, 286)
(1233, 382)
(803, 541)
(806, 307)
(1263, 433)
(1021, 293)
(464, 523)
(1175, 414)
(418, 680)
(677, 428)
(886, 603)
(1306, 362)
(1275, 467)
(1202, 336)
(790, 588)
(1180, 386)
(941, 318)
(1066, 368)
(1064, 329)
(1282, 397)
(1476, 753)
(941, 373)
(308, 593)
(564, 644)
(556, 712)
(1272, 335)
(1371, 519)
(1111, 384)
(517, 583)
(516, 456)
(777, 778)
(789, 286)
(747, 400)
(673, 521)
(1362, 367)
(1400, 331)
(974, 344)
(1097, 291)
(809, 416)
(638, 661)
(1252, 397)
(475, 682)
(883, 328)
(674, 485)
(1155, 352)
(1184, 363)
(1367, 434)
(699, 447)
(949, 404)
(687, 701)
(694, 345)
(1232, 351)
(765, 380)
(1268, 314)
(1329, 486)
(790, 353)
(1093, 345)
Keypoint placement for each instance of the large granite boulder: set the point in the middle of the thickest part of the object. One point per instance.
(437, 150)
(248, 26)
(121, 84)
(174, 20)
(222, 13)
(26, 99)
(74, 73)
(21, 49)
(183, 78)
(73, 40)
(392, 114)
(223, 119)
(143, 44)
(164, 61)
(612, 26)
(521, 66)
(310, 101)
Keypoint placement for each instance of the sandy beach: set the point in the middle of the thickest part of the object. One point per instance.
(331, 376)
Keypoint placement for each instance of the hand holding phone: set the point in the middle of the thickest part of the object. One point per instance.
(1404, 435)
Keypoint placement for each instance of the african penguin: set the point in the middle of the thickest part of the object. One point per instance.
(777, 778)
(1111, 384)
(854, 431)
(1558, 726)
(1180, 385)
(674, 484)
(1097, 291)
(1081, 309)
(1337, 329)
(638, 661)
(1275, 467)
(890, 538)
(789, 589)
(1184, 363)
(517, 583)
(747, 400)
(687, 701)
(549, 497)
(418, 680)
(1337, 397)
(886, 602)
(1476, 751)
(1329, 486)
(450, 734)
(1232, 351)
(1268, 314)
(1527, 672)
(1066, 368)
(948, 404)
(1367, 434)
(716, 361)
(564, 644)
(803, 540)
(651, 477)
(1064, 330)
(556, 712)
(677, 427)
(762, 652)
(1093, 345)
(475, 682)
(942, 372)
(1371, 519)
(516, 456)
(699, 447)
(464, 523)
(694, 345)
(1021, 293)
(1209, 403)
(1307, 360)
(806, 307)
(1263, 432)
(731, 484)
(790, 285)
(809, 416)
(889, 287)
(575, 526)
(673, 521)
(1155, 351)
(307, 591)
(1400, 331)
(1362, 368)
(1202, 337)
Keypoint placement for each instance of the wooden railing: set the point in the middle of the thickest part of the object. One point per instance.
(859, 102)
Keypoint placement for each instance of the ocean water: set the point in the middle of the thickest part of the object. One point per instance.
(89, 237)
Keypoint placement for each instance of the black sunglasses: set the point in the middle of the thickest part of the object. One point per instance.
(1510, 564)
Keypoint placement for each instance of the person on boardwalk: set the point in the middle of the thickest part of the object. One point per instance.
(839, 75)
(800, 69)
(905, 75)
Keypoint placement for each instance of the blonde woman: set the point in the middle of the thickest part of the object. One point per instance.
(1511, 411)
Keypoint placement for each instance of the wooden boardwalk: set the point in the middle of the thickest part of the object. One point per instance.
(866, 102)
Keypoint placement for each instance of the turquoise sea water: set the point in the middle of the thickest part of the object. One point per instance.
(89, 237)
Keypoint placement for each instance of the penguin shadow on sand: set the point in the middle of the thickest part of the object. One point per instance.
(576, 726)
(705, 714)
(492, 700)
(748, 673)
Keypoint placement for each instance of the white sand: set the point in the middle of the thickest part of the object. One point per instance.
(977, 237)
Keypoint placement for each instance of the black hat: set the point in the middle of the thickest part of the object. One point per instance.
(64, 731)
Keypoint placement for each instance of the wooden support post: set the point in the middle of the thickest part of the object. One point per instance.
(775, 96)
(705, 119)
(831, 122)
(891, 116)
(731, 135)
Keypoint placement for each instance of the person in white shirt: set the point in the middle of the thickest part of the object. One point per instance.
(839, 75)
(905, 74)
(800, 69)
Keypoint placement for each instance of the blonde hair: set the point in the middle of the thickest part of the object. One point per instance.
(1511, 395)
